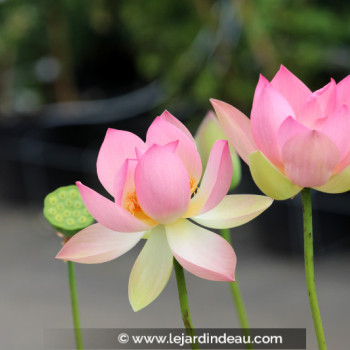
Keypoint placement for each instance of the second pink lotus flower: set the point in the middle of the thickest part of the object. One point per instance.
(295, 138)
(155, 189)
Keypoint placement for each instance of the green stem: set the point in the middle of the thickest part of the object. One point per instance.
(309, 268)
(75, 308)
(237, 296)
(183, 298)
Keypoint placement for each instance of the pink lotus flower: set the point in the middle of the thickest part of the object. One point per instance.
(155, 190)
(295, 138)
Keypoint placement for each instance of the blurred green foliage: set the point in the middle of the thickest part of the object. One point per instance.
(60, 50)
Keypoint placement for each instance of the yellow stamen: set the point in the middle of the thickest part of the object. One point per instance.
(194, 187)
(133, 205)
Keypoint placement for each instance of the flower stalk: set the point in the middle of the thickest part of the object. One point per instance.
(183, 298)
(237, 296)
(309, 267)
(75, 308)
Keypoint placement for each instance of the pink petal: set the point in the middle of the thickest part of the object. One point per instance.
(216, 180)
(343, 88)
(139, 152)
(124, 180)
(317, 125)
(98, 244)
(344, 163)
(161, 132)
(162, 185)
(260, 86)
(320, 104)
(168, 117)
(269, 111)
(236, 126)
(292, 88)
(309, 158)
(289, 128)
(337, 128)
(201, 252)
(171, 147)
(117, 146)
(108, 213)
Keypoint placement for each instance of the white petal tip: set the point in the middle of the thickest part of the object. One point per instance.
(136, 308)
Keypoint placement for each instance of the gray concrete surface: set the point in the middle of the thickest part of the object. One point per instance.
(34, 291)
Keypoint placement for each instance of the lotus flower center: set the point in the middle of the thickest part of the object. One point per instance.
(133, 205)
(194, 187)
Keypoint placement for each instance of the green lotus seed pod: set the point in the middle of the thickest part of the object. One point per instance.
(65, 211)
